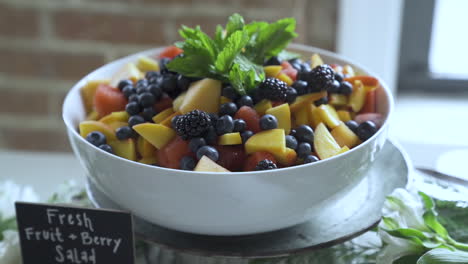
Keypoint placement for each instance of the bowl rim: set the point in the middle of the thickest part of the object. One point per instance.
(294, 46)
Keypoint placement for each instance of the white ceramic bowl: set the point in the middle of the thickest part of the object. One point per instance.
(223, 204)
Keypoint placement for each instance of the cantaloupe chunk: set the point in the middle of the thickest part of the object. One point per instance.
(156, 134)
(287, 157)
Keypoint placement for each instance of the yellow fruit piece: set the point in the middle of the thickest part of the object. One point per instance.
(144, 148)
(163, 115)
(167, 122)
(230, 139)
(121, 116)
(338, 99)
(287, 157)
(303, 100)
(345, 136)
(116, 124)
(272, 141)
(148, 160)
(283, 115)
(223, 100)
(206, 164)
(348, 70)
(313, 116)
(357, 97)
(315, 60)
(93, 115)
(202, 95)
(344, 115)
(156, 134)
(124, 148)
(129, 71)
(146, 63)
(328, 115)
(324, 144)
(272, 70)
(342, 150)
(301, 116)
(88, 91)
(285, 78)
(262, 106)
(87, 127)
(178, 101)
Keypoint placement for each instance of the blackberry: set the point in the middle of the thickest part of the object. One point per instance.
(274, 89)
(265, 164)
(193, 124)
(321, 77)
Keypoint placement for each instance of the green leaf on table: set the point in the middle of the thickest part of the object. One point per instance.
(444, 256)
(453, 216)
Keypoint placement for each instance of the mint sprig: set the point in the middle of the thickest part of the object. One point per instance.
(235, 54)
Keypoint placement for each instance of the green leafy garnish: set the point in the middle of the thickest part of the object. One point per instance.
(235, 54)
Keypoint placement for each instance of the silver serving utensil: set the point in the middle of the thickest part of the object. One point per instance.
(443, 176)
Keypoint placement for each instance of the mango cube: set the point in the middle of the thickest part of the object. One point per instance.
(315, 60)
(230, 139)
(283, 115)
(345, 136)
(162, 115)
(314, 116)
(178, 101)
(124, 148)
(148, 160)
(303, 100)
(117, 124)
(272, 141)
(93, 115)
(262, 106)
(344, 115)
(206, 164)
(156, 134)
(121, 116)
(324, 144)
(272, 70)
(338, 99)
(146, 64)
(168, 121)
(328, 115)
(88, 91)
(144, 148)
(286, 158)
(285, 78)
(202, 95)
(301, 116)
(89, 126)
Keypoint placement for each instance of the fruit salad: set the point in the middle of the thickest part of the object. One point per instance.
(235, 102)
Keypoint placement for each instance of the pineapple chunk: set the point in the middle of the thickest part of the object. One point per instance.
(283, 115)
(163, 115)
(121, 116)
(315, 60)
(262, 106)
(230, 139)
(358, 96)
(272, 141)
(144, 148)
(344, 115)
(178, 101)
(202, 95)
(124, 148)
(328, 115)
(345, 136)
(324, 144)
(206, 164)
(156, 134)
(303, 100)
(146, 64)
(87, 127)
(301, 116)
(285, 78)
(129, 71)
(88, 91)
(272, 70)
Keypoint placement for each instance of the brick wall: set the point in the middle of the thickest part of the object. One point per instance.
(47, 45)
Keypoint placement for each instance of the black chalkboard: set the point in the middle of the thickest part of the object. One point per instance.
(58, 234)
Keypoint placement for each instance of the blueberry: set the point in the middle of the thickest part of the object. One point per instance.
(321, 101)
(268, 122)
(353, 125)
(292, 132)
(334, 87)
(124, 132)
(187, 163)
(230, 92)
(183, 82)
(297, 65)
(304, 133)
(246, 135)
(310, 159)
(346, 88)
(96, 138)
(156, 80)
(272, 61)
(162, 64)
(133, 98)
(124, 83)
(148, 113)
(303, 150)
(146, 99)
(208, 151)
(141, 90)
(135, 120)
(300, 86)
(169, 83)
(291, 95)
(239, 125)
(366, 130)
(291, 142)
(228, 109)
(224, 125)
(339, 76)
(106, 148)
(128, 91)
(196, 143)
(211, 136)
(244, 100)
(132, 108)
(141, 83)
(152, 74)
(173, 121)
(155, 90)
(305, 67)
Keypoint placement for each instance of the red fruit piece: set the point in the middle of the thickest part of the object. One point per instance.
(231, 157)
(286, 65)
(170, 52)
(255, 158)
(170, 155)
(164, 103)
(377, 118)
(108, 99)
(251, 118)
(370, 103)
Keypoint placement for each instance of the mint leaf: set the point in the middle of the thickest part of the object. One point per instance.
(245, 75)
(444, 256)
(196, 35)
(219, 38)
(235, 23)
(191, 66)
(288, 55)
(235, 43)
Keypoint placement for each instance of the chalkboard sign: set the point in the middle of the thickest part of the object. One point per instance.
(58, 234)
